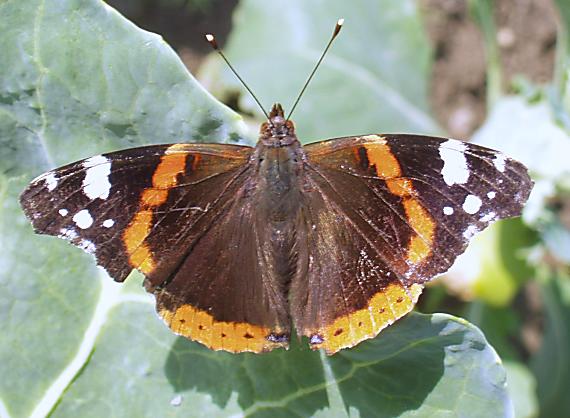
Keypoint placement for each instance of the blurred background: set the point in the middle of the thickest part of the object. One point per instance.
(492, 72)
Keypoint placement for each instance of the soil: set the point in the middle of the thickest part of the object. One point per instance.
(526, 38)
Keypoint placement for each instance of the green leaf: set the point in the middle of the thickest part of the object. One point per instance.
(373, 79)
(76, 78)
(423, 366)
(551, 365)
(80, 80)
(502, 326)
(48, 296)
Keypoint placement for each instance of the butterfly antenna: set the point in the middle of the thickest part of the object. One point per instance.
(212, 41)
(336, 31)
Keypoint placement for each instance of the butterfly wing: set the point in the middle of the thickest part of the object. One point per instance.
(111, 204)
(394, 211)
(153, 209)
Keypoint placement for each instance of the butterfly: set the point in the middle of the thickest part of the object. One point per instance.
(240, 245)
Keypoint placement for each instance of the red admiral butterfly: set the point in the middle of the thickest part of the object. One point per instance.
(239, 244)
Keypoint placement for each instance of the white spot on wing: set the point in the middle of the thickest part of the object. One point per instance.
(63, 212)
(51, 181)
(472, 204)
(499, 162)
(488, 217)
(455, 169)
(96, 182)
(108, 223)
(491, 195)
(87, 246)
(83, 219)
(448, 210)
(470, 231)
(67, 233)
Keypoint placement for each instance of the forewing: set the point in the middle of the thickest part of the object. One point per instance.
(432, 194)
(113, 205)
(406, 206)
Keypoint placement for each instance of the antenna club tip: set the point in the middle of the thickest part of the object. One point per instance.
(212, 40)
(338, 27)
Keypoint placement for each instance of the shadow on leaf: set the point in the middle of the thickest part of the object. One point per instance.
(295, 375)
(386, 376)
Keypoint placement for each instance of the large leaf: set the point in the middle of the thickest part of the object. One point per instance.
(79, 80)
(373, 79)
(423, 366)
(47, 302)
(502, 326)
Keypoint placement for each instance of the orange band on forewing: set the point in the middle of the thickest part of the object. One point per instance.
(134, 236)
(381, 157)
(422, 223)
(384, 308)
(236, 337)
(419, 247)
(400, 186)
(154, 197)
(172, 164)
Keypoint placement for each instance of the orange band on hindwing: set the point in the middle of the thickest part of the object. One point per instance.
(235, 337)
(383, 309)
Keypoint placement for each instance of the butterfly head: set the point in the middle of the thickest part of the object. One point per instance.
(277, 126)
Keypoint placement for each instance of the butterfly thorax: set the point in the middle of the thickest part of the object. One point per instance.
(277, 187)
(278, 157)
